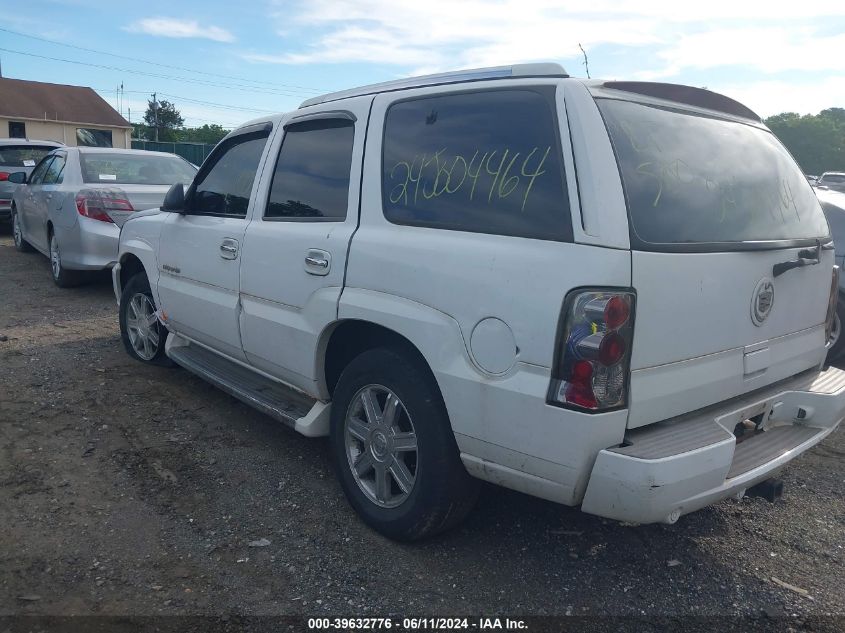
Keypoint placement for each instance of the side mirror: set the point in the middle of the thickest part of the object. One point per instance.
(18, 177)
(175, 198)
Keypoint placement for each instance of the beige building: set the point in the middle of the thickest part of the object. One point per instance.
(73, 115)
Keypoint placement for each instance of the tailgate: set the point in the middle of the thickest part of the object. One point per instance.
(731, 257)
(696, 341)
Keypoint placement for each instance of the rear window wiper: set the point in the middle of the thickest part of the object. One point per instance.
(806, 257)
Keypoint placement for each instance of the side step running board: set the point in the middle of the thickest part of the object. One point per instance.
(298, 411)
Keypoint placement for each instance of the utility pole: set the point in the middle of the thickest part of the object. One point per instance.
(155, 113)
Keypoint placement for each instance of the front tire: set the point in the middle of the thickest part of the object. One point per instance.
(17, 234)
(62, 277)
(142, 334)
(394, 449)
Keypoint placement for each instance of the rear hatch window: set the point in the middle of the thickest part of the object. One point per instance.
(23, 155)
(697, 182)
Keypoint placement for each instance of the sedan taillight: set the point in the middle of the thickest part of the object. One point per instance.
(96, 203)
(590, 371)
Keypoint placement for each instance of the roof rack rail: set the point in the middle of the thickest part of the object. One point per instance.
(458, 76)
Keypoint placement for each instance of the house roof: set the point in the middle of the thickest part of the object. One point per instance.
(56, 102)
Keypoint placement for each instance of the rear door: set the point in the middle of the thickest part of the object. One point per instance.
(718, 212)
(200, 251)
(294, 255)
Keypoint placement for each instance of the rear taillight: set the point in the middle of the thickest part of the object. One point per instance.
(831, 302)
(97, 203)
(4, 175)
(594, 350)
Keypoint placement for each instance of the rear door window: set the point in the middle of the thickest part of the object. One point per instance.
(706, 183)
(311, 179)
(482, 161)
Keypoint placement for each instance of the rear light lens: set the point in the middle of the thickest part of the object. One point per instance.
(590, 371)
(97, 203)
(831, 302)
(4, 175)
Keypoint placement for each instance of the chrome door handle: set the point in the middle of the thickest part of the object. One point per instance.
(316, 261)
(229, 248)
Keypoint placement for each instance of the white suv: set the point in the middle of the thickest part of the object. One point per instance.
(608, 294)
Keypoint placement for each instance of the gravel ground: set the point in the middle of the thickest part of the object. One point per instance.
(130, 490)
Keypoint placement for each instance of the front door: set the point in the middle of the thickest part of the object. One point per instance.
(295, 257)
(31, 215)
(200, 250)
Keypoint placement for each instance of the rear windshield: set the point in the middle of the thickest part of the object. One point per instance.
(22, 155)
(137, 169)
(694, 179)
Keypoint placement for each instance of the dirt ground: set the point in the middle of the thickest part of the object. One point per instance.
(130, 490)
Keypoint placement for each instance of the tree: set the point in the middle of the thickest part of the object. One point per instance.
(164, 120)
(209, 134)
(816, 141)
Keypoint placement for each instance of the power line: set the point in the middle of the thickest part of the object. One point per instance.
(213, 104)
(158, 76)
(152, 63)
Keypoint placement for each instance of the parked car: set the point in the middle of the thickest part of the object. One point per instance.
(812, 179)
(592, 292)
(72, 205)
(834, 180)
(833, 204)
(17, 154)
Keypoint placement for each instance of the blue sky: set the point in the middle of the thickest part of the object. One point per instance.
(227, 62)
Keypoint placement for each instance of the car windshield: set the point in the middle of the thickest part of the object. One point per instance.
(692, 178)
(23, 155)
(135, 169)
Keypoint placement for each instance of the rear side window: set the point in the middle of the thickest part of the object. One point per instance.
(55, 173)
(311, 179)
(224, 185)
(695, 182)
(484, 161)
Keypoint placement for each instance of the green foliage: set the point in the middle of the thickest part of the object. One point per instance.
(209, 134)
(166, 117)
(816, 141)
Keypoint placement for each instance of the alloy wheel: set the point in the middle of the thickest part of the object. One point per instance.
(381, 446)
(142, 326)
(16, 230)
(55, 257)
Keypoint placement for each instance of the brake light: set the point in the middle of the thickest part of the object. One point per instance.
(96, 203)
(594, 349)
(831, 302)
(4, 175)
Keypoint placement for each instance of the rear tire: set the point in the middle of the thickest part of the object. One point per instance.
(398, 463)
(62, 277)
(142, 334)
(837, 334)
(17, 234)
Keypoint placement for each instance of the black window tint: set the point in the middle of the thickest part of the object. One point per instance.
(17, 129)
(38, 173)
(55, 172)
(487, 162)
(694, 179)
(311, 179)
(225, 184)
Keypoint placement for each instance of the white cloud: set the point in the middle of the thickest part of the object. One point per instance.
(174, 27)
(775, 96)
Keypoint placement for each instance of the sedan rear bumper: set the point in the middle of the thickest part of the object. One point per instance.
(672, 468)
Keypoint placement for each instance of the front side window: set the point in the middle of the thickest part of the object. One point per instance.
(38, 173)
(696, 181)
(55, 172)
(225, 184)
(484, 161)
(311, 179)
